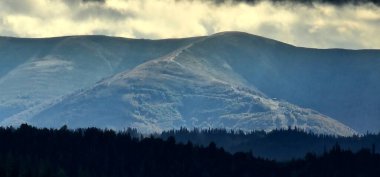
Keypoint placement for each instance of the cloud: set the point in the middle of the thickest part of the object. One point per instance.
(303, 2)
(98, 1)
(322, 25)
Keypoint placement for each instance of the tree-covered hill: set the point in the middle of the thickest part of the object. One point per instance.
(32, 152)
(283, 144)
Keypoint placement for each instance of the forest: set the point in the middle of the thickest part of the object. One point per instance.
(41, 152)
(282, 144)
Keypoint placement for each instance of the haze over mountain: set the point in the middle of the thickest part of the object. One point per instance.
(227, 80)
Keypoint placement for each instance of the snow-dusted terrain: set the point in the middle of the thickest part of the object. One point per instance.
(227, 80)
(37, 71)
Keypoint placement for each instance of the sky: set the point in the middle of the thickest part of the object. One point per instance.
(351, 24)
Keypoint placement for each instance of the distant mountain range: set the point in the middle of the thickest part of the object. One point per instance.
(228, 80)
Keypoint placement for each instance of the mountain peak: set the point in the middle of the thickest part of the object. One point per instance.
(229, 80)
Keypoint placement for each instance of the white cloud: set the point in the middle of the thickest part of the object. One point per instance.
(322, 26)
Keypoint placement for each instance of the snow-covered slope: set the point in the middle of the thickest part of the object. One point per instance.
(231, 80)
(181, 89)
(37, 71)
(343, 84)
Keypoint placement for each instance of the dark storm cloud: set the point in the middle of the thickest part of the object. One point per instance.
(303, 2)
(78, 2)
(98, 1)
(17, 7)
(99, 12)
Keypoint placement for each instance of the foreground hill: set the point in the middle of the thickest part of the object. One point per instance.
(227, 80)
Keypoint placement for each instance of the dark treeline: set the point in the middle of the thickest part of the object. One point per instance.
(32, 152)
(281, 145)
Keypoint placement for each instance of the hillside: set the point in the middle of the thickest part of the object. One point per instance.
(228, 80)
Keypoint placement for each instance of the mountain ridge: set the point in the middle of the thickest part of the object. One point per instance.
(179, 38)
(147, 122)
(223, 56)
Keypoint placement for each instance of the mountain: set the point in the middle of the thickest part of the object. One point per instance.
(229, 80)
(36, 71)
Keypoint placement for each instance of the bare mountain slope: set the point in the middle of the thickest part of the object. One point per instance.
(181, 89)
(231, 80)
(36, 71)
